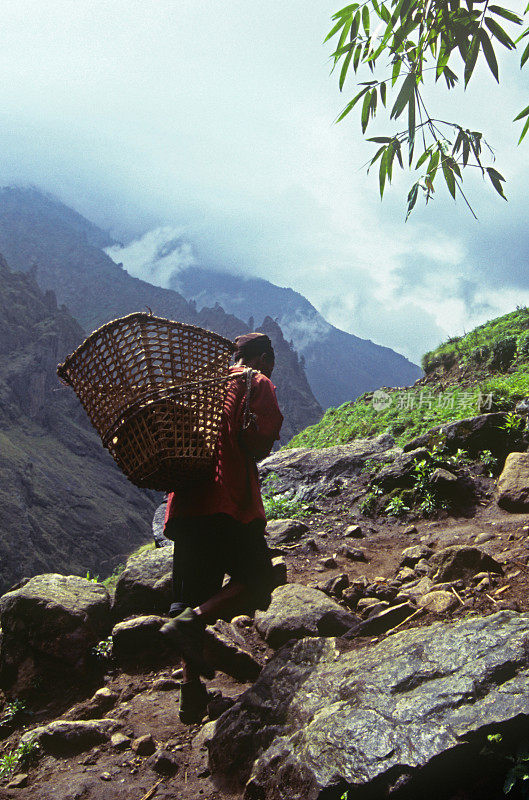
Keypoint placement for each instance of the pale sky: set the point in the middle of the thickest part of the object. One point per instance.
(215, 119)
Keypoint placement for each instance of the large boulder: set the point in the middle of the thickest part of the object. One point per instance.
(474, 434)
(461, 561)
(158, 526)
(408, 714)
(49, 626)
(401, 471)
(145, 585)
(513, 483)
(297, 611)
(308, 472)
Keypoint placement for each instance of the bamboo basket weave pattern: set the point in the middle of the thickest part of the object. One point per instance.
(154, 390)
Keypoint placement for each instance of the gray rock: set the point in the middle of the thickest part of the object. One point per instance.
(381, 621)
(352, 553)
(279, 567)
(412, 711)
(145, 585)
(354, 531)
(411, 555)
(225, 650)
(483, 432)
(48, 627)
(513, 483)
(139, 639)
(335, 586)
(158, 525)
(119, 741)
(442, 478)
(438, 602)
(401, 472)
(461, 561)
(164, 763)
(285, 531)
(144, 745)
(422, 567)
(102, 701)
(486, 536)
(66, 737)
(297, 611)
(308, 472)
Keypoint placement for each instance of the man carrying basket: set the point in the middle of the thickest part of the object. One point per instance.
(218, 525)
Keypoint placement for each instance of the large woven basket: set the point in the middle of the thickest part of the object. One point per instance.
(154, 390)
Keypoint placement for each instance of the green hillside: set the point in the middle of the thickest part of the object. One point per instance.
(484, 370)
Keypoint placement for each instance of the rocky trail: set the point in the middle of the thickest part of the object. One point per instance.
(392, 662)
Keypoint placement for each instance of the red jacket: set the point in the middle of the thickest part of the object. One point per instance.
(235, 488)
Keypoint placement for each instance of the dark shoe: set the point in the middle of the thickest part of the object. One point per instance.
(194, 699)
(186, 633)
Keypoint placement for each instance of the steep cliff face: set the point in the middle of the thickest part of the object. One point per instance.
(37, 230)
(64, 505)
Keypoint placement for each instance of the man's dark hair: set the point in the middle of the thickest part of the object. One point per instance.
(251, 345)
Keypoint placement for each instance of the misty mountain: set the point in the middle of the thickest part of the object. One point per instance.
(65, 250)
(339, 365)
(64, 504)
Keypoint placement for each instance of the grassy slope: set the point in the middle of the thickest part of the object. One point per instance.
(492, 360)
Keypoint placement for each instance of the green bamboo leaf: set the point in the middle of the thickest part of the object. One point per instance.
(345, 67)
(412, 198)
(365, 19)
(403, 97)
(334, 30)
(380, 139)
(524, 131)
(349, 107)
(506, 14)
(498, 32)
(523, 113)
(432, 166)
(383, 94)
(488, 52)
(382, 172)
(384, 13)
(525, 56)
(358, 53)
(423, 158)
(397, 64)
(449, 178)
(365, 111)
(343, 35)
(496, 179)
(472, 57)
(375, 157)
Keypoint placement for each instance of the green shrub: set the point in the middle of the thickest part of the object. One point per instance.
(503, 353)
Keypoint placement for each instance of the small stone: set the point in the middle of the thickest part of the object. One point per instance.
(354, 531)
(335, 586)
(483, 585)
(406, 574)
(144, 745)
(328, 563)
(381, 605)
(486, 536)
(350, 596)
(279, 567)
(352, 553)
(438, 602)
(106, 776)
(311, 544)
(164, 763)
(218, 705)
(411, 555)
(479, 577)
(422, 567)
(242, 621)
(411, 529)
(366, 602)
(119, 741)
(18, 782)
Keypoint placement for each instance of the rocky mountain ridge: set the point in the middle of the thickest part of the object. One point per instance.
(63, 502)
(38, 232)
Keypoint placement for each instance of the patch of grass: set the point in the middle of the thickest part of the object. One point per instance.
(22, 757)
